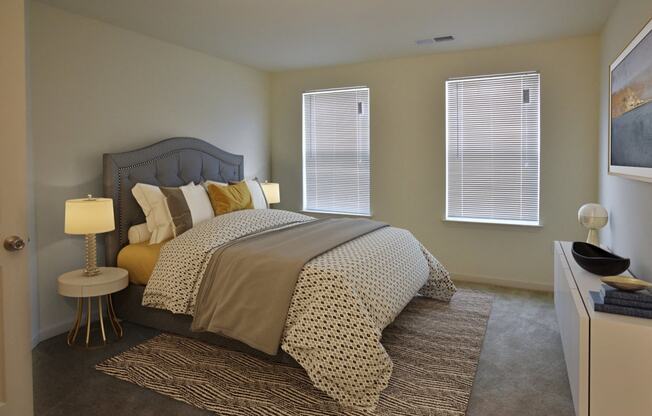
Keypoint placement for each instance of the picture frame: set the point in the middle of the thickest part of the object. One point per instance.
(630, 109)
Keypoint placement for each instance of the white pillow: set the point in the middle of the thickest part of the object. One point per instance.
(152, 201)
(139, 233)
(255, 190)
(146, 196)
(257, 195)
(198, 202)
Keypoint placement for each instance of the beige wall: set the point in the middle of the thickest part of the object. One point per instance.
(97, 88)
(629, 232)
(407, 145)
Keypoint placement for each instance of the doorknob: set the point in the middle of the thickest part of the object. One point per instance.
(14, 243)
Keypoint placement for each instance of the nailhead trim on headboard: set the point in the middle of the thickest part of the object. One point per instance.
(122, 232)
(119, 166)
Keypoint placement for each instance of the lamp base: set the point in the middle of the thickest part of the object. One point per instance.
(91, 268)
(91, 272)
(592, 238)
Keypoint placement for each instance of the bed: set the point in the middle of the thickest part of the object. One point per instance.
(170, 162)
(341, 302)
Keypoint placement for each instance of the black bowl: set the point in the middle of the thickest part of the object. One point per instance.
(598, 261)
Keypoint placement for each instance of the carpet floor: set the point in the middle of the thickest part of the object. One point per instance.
(435, 348)
(521, 369)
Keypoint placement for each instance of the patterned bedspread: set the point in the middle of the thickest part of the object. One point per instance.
(342, 302)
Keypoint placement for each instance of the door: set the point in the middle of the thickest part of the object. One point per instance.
(15, 348)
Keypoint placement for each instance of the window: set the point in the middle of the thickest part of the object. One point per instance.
(336, 175)
(492, 149)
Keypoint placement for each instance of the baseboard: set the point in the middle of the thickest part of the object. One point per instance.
(494, 281)
(53, 330)
(59, 328)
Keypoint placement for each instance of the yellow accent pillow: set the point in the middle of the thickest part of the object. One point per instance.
(230, 198)
(139, 260)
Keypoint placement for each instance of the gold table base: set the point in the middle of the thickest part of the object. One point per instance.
(74, 331)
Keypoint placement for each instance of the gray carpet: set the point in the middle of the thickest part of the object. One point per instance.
(521, 369)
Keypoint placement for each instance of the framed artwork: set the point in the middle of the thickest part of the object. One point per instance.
(630, 109)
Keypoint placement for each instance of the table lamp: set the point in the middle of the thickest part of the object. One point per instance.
(272, 192)
(89, 216)
(593, 217)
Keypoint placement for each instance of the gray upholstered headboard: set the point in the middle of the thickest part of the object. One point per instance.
(171, 162)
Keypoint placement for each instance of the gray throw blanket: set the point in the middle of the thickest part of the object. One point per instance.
(248, 285)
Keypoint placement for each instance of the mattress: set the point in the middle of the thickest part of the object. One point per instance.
(139, 260)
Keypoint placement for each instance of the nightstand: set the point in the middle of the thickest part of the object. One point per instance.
(75, 285)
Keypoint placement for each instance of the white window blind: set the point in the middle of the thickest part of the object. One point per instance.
(336, 151)
(492, 149)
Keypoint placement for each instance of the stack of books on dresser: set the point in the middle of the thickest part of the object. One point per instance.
(620, 302)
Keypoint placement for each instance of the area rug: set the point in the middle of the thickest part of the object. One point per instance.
(435, 348)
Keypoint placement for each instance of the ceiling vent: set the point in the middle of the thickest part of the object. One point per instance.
(430, 41)
(444, 38)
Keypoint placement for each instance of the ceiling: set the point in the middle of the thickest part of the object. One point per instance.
(287, 34)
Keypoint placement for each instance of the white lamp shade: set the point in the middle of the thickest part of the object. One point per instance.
(89, 216)
(272, 192)
(592, 216)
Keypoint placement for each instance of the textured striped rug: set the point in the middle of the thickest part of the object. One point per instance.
(435, 348)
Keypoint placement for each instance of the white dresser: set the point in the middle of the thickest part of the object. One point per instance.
(608, 357)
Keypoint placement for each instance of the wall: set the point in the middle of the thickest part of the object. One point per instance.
(96, 89)
(629, 232)
(407, 146)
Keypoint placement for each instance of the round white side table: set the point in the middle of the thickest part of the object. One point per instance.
(75, 285)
